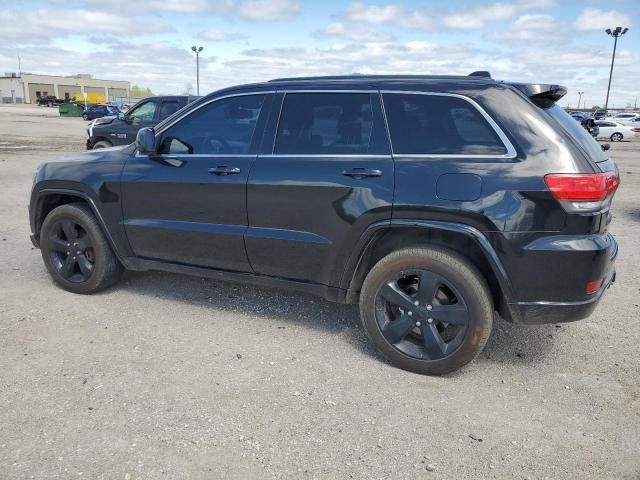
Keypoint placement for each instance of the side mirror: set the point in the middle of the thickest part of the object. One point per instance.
(121, 116)
(605, 147)
(146, 141)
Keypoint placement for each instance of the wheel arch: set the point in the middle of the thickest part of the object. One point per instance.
(49, 199)
(467, 241)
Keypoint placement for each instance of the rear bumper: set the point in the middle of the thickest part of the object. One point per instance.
(540, 312)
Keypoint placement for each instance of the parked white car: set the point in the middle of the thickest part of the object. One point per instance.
(614, 131)
(625, 118)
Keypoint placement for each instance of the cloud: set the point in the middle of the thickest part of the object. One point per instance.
(595, 19)
(268, 10)
(390, 14)
(354, 32)
(530, 27)
(220, 36)
(38, 28)
(476, 18)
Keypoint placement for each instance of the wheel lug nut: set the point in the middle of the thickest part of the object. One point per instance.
(429, 307)
(418, 324)
(430, 320)
(409, 313)
(416, 303)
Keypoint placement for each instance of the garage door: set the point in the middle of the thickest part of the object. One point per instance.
(67, 92)
(40, 90)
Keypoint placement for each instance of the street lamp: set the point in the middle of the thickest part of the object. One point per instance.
(579, 98)
(197, 50)
(615, 33)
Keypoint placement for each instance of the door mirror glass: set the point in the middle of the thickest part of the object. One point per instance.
(146, 141)
(121, 116)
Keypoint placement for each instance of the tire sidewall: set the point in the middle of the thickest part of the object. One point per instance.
(462, 278)
(78, 216)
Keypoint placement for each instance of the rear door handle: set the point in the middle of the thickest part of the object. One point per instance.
(224, 170)
(359, 172)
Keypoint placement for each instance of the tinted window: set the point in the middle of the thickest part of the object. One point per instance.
(168, 108)
(222, 127)
(438, 125)
(325, 124)
(143, 113)
(559, 119)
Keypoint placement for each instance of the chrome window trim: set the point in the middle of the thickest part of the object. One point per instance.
(310, 155)
(510, 153)
(339, 155)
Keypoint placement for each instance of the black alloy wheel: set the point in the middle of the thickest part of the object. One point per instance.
(76, 251)
(427, 309)
(71, 251)
(422, 314)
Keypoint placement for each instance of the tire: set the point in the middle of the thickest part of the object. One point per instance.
(455, 278)
(84, 117)
(97, 258)
(616, 137)
(102, 144)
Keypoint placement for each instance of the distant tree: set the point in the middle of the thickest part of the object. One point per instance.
(188, 89)
(137, 91)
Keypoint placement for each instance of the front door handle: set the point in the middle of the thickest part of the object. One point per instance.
(359, 172)
(224, 170)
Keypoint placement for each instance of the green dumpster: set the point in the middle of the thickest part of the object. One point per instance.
(71, 109)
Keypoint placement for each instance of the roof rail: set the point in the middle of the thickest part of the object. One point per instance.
(356, 76)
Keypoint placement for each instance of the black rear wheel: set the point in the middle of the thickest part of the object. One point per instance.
(75, 250)
(427, 310)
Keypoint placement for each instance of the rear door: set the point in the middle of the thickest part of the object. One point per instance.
(325, 174)
(187, 203)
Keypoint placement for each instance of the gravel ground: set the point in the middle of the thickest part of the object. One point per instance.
(176, 377)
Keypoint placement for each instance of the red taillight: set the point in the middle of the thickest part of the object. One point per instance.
(582, 187)
(593, 286)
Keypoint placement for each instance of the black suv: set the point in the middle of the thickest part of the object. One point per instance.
(123, 128)
(431, 201)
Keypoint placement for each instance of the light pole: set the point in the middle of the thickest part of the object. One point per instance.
(579, 98)
(197, 50)
(615, 33)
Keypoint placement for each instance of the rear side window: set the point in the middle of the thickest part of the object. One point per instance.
(560, 119)
(438, 125)
(325, 124)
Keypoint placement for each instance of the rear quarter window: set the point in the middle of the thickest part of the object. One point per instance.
(427, 124)
(563, 120)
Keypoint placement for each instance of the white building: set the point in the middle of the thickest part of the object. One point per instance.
(27, 87)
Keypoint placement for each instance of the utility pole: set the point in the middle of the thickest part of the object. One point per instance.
(197, 50)
(19, 66)
(615, 33)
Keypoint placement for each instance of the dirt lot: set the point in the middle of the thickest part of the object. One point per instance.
(177, 377)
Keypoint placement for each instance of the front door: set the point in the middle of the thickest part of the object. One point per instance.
(187, 203)
(328, 177)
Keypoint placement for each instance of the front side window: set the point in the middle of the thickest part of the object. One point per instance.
(325, 124)
(222, 127)
(438, 125)
(144, 113)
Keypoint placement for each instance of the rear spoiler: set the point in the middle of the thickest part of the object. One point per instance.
(543, 95)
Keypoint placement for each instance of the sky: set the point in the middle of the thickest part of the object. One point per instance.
(148, 42)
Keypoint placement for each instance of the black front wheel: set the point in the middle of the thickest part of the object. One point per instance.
(428, 310)
(76, 251)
